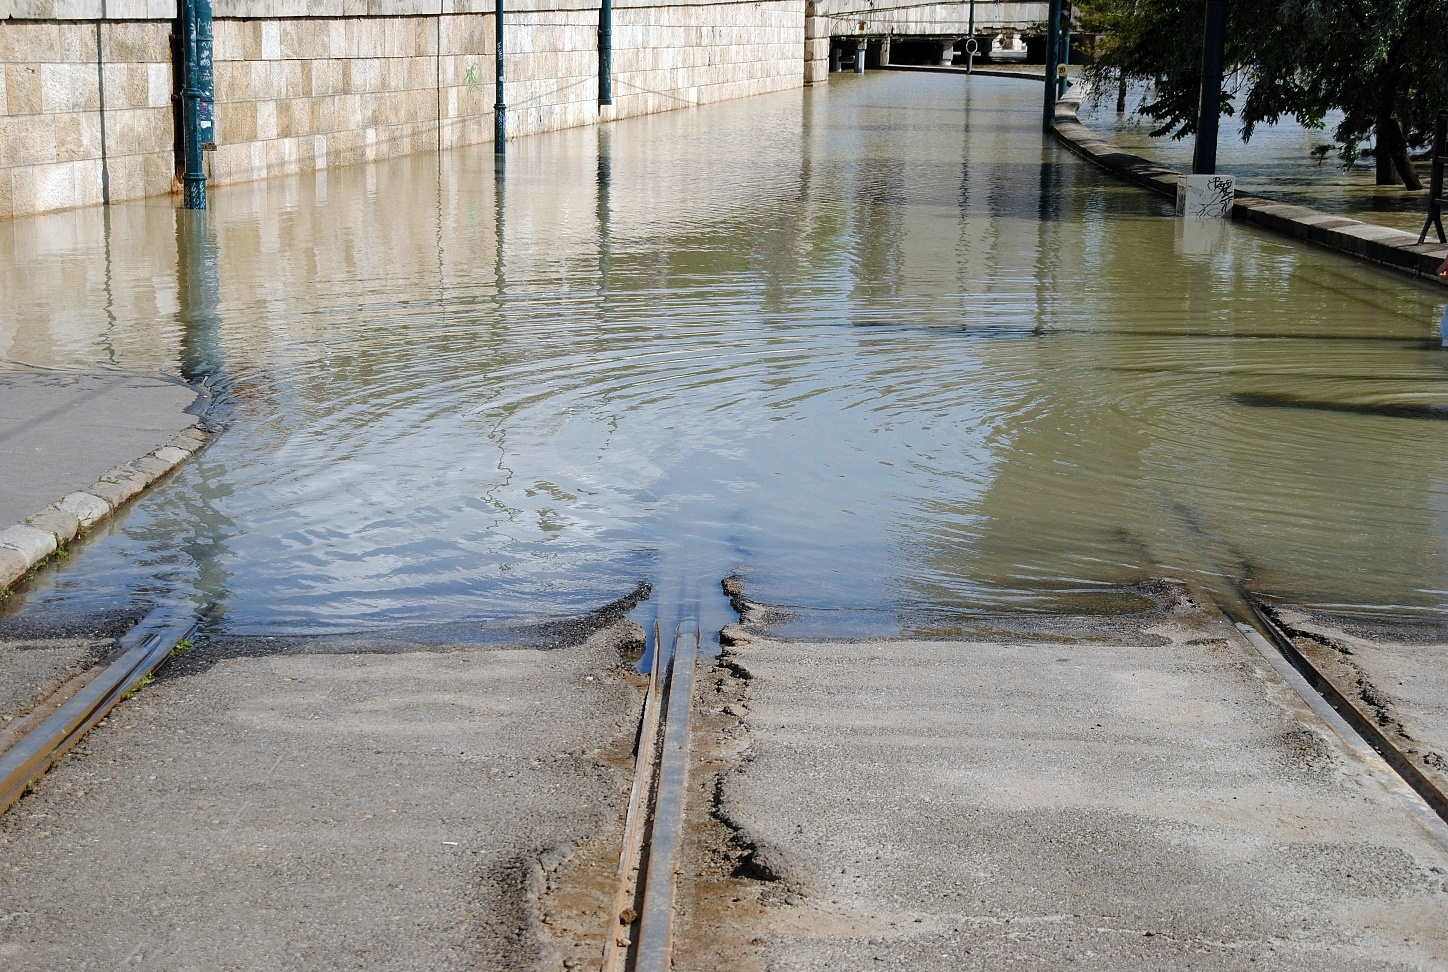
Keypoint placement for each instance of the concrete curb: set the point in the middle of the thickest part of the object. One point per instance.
(1394, 248)
(28, 544)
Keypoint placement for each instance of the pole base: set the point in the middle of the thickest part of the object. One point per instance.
(193, 192)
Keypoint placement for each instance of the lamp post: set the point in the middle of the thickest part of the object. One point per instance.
(605, 52)
(500, 107)
(1053, 60)
(1066, 18)
(970, 43)
(198, 130)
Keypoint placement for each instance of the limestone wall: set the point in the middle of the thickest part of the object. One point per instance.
(51, 92)
(297, 95)
(307, 84)
(667, 57)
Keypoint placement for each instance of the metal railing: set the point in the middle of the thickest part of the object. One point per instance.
(1435, 191)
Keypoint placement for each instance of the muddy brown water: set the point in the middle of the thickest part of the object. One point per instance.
(876, 346)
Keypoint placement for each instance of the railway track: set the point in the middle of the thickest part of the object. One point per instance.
(640, 933)
(639, 936)
(1358, 728)
(74, 713)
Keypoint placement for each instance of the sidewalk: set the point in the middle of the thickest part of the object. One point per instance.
(1158, 801)
(75, 447)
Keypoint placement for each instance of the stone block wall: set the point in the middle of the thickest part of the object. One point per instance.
(139, 120)
(58, 99)
(816, 44)
(551, 69)
(298, 95)
(688, 54)
(86, 103)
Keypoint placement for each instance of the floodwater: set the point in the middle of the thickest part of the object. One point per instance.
(878, 347)
(1282, 161)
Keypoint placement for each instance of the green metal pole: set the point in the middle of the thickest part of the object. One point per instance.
(970, 45)
(1061, 82)
(101, 106)
(605, 52)
(500, 107)
(1053, 60)
(198, 131)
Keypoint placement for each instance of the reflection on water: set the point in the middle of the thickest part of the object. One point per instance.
(877, 346)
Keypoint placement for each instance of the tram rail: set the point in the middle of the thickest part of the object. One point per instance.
(1351, 715)
(649, 857)
(142, 650)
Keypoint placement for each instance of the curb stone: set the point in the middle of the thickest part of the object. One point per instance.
(26, 545)
(1383, 245)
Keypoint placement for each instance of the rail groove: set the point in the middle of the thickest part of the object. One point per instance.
(142, 650)
(615, 948)
(1362, 723)
(655, 815)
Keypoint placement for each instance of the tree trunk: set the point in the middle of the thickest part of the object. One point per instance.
(1383, 158)
(1388, 139)
(1121, 94)
(1392, 144)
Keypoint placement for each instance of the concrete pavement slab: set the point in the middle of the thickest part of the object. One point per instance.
(954, 805)
(35, 667)
(59, 432)
(398, 810)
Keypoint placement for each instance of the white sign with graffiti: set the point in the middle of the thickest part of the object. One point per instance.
(1206, 196)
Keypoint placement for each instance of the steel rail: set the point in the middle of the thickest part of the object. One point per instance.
(1348, 714)
(143, 649)
(615, 947)
(656, 921)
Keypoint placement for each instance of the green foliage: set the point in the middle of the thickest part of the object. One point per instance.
(145, 682)
(1382, 63)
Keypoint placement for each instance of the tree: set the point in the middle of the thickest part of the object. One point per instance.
(1382, 63)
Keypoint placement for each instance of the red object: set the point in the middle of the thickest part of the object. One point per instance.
(1443, 270)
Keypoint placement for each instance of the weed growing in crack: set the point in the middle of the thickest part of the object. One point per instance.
(143, 683)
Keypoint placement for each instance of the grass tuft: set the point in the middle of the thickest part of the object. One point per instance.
(143, 683)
